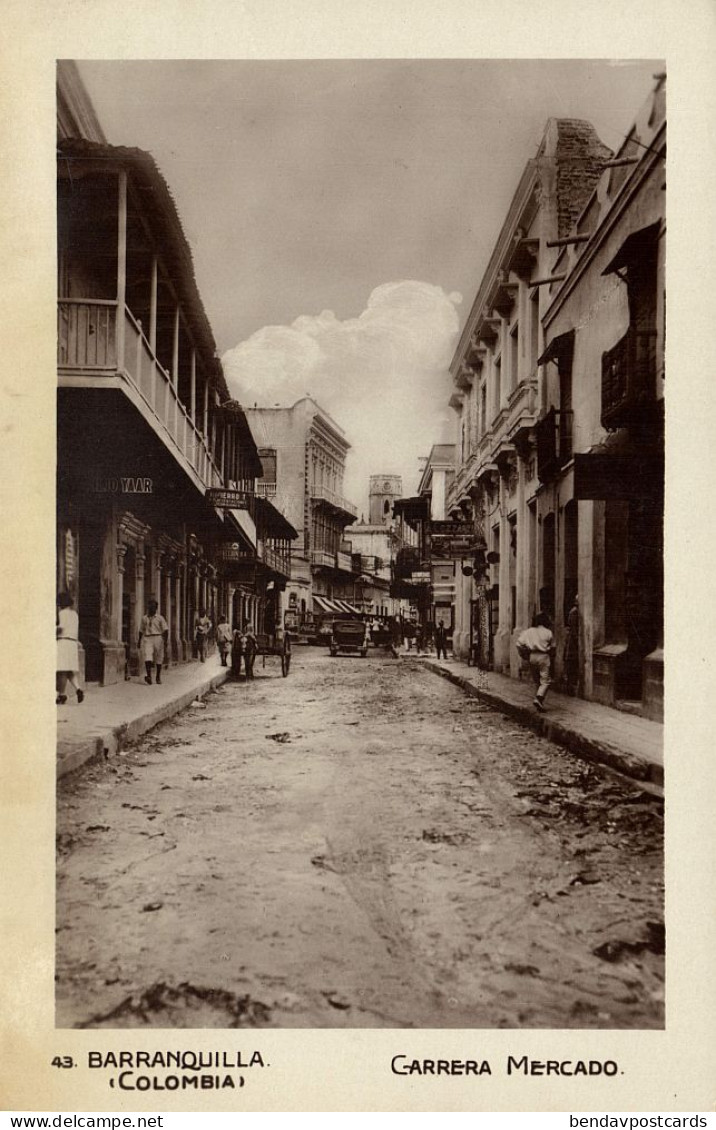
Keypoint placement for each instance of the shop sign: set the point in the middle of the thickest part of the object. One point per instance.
(449, 528)
(233, 551)
(419, 578)
(453, 545)
(123, 484)
(224, 499)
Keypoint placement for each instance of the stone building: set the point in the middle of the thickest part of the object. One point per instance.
(558, 395)
(499, 394)
(303, 453)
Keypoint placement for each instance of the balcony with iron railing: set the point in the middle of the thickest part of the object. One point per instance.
(322, 494)
(265, 490)
(87, 345)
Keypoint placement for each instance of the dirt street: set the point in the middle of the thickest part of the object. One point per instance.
(358, 845)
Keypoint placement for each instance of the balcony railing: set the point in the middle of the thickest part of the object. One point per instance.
(265, 490)
(87, 343)
(276, 560)
(320, 557)
(628, 378)
(86, 334)
(323, 494)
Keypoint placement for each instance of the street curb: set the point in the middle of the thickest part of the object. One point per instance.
(590, 749)
(73, 755)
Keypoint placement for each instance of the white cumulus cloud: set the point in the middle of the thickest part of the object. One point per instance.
(383, 376)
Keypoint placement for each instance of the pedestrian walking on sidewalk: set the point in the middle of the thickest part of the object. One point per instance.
(68, 652)
(419, 637)
(224, 636)
(249, 647)
(153, 640)
(441, 639)
(536, 645)
(202, 627)
(571, 649)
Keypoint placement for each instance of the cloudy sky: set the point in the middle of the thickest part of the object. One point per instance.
(341, 214)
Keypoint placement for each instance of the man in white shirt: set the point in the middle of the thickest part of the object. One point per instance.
(153, 636)
(537, 645)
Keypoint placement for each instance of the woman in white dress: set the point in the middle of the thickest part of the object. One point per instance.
(68, 658)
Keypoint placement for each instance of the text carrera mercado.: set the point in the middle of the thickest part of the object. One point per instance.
(404, 1065)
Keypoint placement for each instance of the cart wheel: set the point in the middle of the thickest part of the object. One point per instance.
(286, 656)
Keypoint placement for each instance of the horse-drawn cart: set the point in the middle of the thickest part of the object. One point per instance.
(247, 647)
(278, 643)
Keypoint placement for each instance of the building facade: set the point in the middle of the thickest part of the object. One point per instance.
(148, 438)
(425, 567)
(303, 452)
(564, 492)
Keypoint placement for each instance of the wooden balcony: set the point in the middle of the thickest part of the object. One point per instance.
(275, 560)
(88, 354)
(320, 557)
(629, 379)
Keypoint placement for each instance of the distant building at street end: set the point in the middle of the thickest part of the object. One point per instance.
(558, 393)
(303, 452)
(374, 547)
(382, 493)
(425, 567)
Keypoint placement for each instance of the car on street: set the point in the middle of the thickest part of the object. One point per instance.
(349, 636)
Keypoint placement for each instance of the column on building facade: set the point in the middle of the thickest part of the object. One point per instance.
(504, 622)
(522, 565)
(139, 606)
(121, 550)
(166, 606)
(177, 634)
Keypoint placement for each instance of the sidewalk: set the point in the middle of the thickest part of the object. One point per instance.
(625, 742)
(112, 717)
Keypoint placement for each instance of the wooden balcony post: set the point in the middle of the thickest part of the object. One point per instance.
(153, 305)
(153, 329)
(192, 396)
(175, 372)
(121, 265)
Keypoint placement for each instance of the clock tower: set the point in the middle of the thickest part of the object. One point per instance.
(382, 493)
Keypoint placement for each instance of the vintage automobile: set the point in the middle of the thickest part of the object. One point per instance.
(349, 636)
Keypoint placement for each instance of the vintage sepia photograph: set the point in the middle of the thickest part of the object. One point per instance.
(360, 544)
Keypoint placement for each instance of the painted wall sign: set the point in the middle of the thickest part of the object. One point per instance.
(226, 499)
(453, 546)
(123, 484)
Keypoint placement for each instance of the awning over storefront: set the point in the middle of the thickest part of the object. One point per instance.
(335, 607)
(346, 607)
(244, 524)
(560, 349)
(634, 248)
(415, 509)
(614, 476)
(270, 520)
